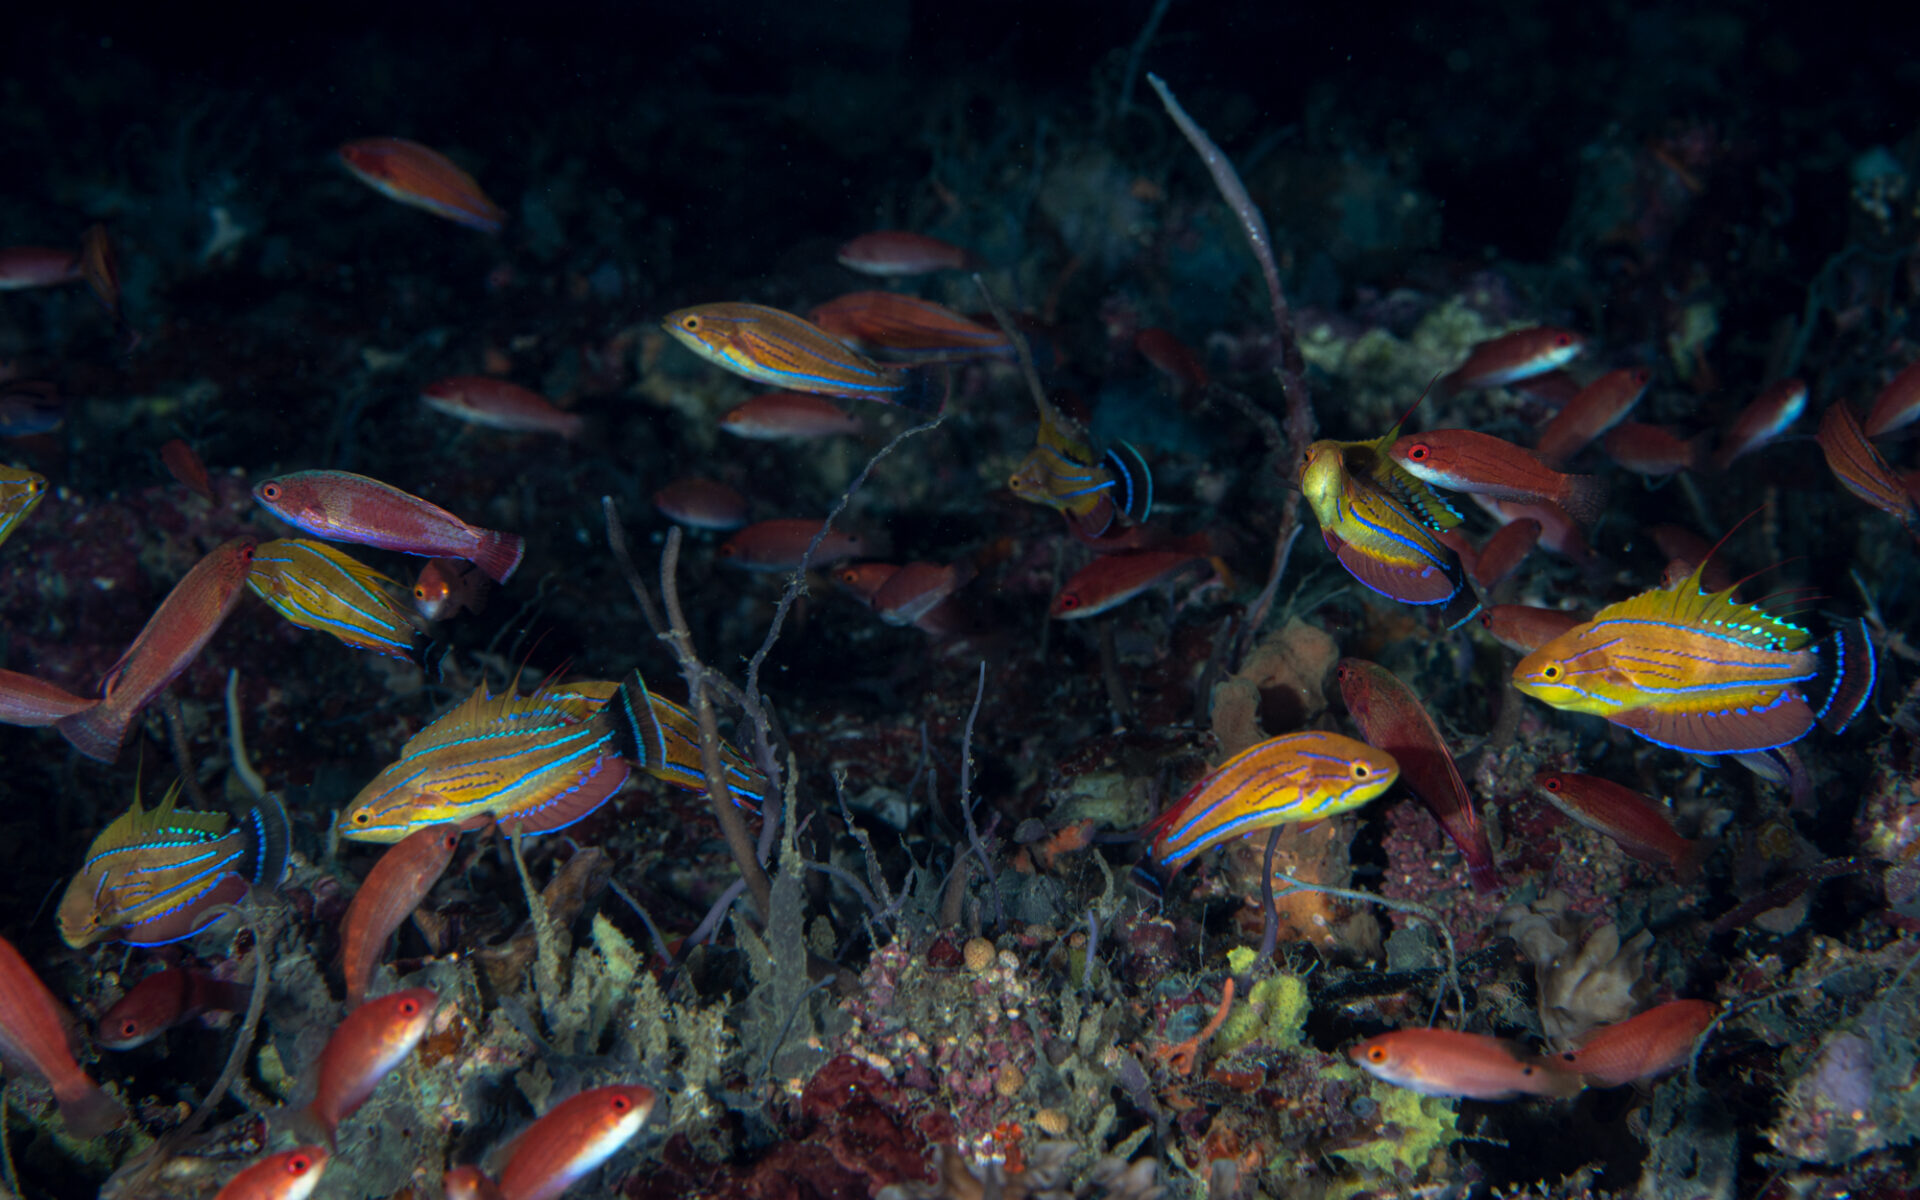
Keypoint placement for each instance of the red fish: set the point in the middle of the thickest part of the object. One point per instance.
(186, 467)
(26, 700)
(917, 588)
(1555, 389)
(1600, 406)
(423, 178)
(33, 1037)
(387, 897)
(893, 252)
(1558, 532)
(174, 636)
(446, 586)
(369, 1042)
(1525, 628)
(1897, 405)
(338, 506)
(1650, 450)
(779, 545)
(498, 404)
(1641, 1047)
(1113, 579)
(1515, 356)
(100, 267)
(36, 266)
(1769, 416)
(1172, 358)
(1461, 460)
(1392, 719)
(1503, 553)
(1640, 826)
(1861, 470)
(702, 504)
(468, 1183)
(1442, 1062)
(288, 1175)
(1683, 545)
(788, 417)
(163, 1000)
(863, 580)
(572, 1140)
(902, 326)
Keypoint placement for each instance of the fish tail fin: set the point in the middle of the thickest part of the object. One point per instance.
(1585, 499)
(1463, 606)
(1130, 471)
(924, 389)
(1848, 672)
(97, 732)
(636, 727)
(88, 1110)
(499, 554)
(266, 864)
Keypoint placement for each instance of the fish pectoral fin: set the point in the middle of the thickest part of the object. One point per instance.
(557, 812)
(1427, 583)
(1722, 731)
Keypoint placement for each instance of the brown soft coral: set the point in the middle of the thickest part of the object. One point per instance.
(1586, 977)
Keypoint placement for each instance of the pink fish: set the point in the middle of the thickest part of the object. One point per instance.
(1650, 450)
(1860, 469)
(1113, 579)
(338, 506)
(778, 545)
(26, 700)
(368, 1043)
(1442, 1062)
(36, 266)
(173, 637)
(894, 252)
(1765, 419)
(1463, 460)
(1641, 827)
(1600, 406)
(702, 504)
(1642, 1047)
(914, 590)
(1172, 358)
(423, 178)
(1502, 554)
(387, 897)
(788, 417)
(1515, 356)
(572, 1140)
(288, 1175)
(1558, 532)
(163, 1000)
(185, 465)
(498, 404)
(1525, 628)
(446, 587)
(1897, 405)
(33, 1037)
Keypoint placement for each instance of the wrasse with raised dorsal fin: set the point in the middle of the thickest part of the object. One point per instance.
(423, 178)
(1086, 487)
(530, 763)
(21, 491)
(1700, 672)
(1861, 470)
(781, 350)
(1462, 460)
(318, 587)
(152, 875)
(663, 739)
(898, 326)
(1293, 778)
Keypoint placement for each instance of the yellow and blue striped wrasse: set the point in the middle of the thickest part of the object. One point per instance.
(1861, 470)
(663, 739)
(1088, 488)
(1380, 522)
(318, 587)
(1296, 777)
(153, 874)
(1698, 671)
(777, 348)
(531, 764)
(21, 491)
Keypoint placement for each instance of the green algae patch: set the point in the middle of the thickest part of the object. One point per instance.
(1274, 1013)
(1413, 1127)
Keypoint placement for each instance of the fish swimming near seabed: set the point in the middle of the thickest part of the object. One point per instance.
(318, 587)
(1090, 489)
(777, 348)
(340, 506)
(663, 739)
(421, 177)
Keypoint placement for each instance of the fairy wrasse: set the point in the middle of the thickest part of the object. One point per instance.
(33, 1034)
(343, 507)
(902, 252)
(1640, 827)
(498, 404)
(784, 351)
(288, 1175)
(572, 1140)
(1861, 470)
(1597, 408)
(1462, 460)
(1769, 416)
(318, 587)
(702, 504)
(36, 266)
(902, 326)
(163, 1000)
(369, 1042)
(173, 637)
(1642, 1047)
(1697, 671)
(1515, 356)
(781, 544)
(1524, 627)
(1295, 777)
(184, 464)
(1444, 1062)
(423, 178)
(534, 763)
(663, 739)
(446, 586)
(1088, 488)
(152, 875)
(1393, 720)
(1649, 449)
(387, 897)
(1897, 405)
(27, 700)
(1382, 540)
(1111, 580)
(21, 491)
(788, 417)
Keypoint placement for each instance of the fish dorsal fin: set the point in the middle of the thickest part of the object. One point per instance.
(1688, 602)
(139, 823)
(361, 572)
(470, 714)
(1374, 460)
(1057, 436)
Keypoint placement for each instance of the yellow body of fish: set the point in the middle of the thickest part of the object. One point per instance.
(318, 587)
(21, 491)
(1065, 473)
(777, 348)
(531, 763)
(1296, 777)
(1380, 522)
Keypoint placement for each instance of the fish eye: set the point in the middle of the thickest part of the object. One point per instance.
(1486, 620)
(621, 1104)
(1642, 376)
(1565, 339)
(1069, 602)
(1551, 783)
(1360, 771)
(451, 841)
(1377, 1054)
(361, 818)
(1550, 672)
(419, 593)
(270, 491)
(129, 1028)
(1417, 452)
(299, 1164)
(409, 1007)
(36, 487)
(690, 324)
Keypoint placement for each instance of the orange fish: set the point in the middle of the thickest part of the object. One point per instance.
(26, 700)
(1769, 416)
(1650, 450)
(1525, 628)
(702, 504)
(469, 1183)
(1897, 405)
(781, 350)
(498, 404)
(33, 1035)
(1113, 579)
(895, 252)
(1641, 827)
(1392, 719)
(1382, 524)
(423, 178)
(1597, 408)
(165, 999)
(916, 589)
(1861, 470)
(186, 467)
(906, 326)
(387, 897)
(1503, 553)
(1641, 1047)
(446, 586)
(779, 545)
(1462, 460)
(788, 417)
(174, 636)
(1514, 356)
(36, 266)
(575, 1137)
(368, 1043)
(288, 1175)
(1442, 1062)
(338, 506)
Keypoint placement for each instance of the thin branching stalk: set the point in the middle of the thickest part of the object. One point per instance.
(182, 753)
(966, 796)
(1406, 906)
